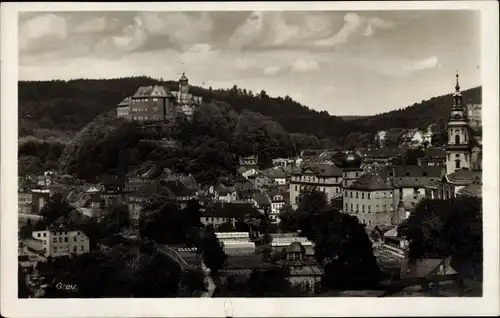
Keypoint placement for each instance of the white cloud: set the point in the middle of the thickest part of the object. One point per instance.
(355, 24)
(47, 26)
(248, 31)
(93, 25)
(179, 26)
(271, 70)
(424, 64)
(302, 65)
(132, 38)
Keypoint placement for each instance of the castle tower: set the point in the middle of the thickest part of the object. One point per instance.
(458, 149)
(183, 89)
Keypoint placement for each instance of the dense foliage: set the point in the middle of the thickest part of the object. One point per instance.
(341, 242)
(441, 228)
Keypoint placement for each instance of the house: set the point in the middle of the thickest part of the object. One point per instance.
(150, 103)
(123, 109)
(412, 137)
(410, 182)
(282, 162)
(262, 202)
(433, 157)
(370, 199)
(427, 135)
(31, 251)
(381, 138)
(185, 102)
(304, 272)
(474, 116)
(225, 193)
(277, 203)
(62, 241)
(221, 212)
(325, 177)
(276, 175)
(181, 192)
(249, 162)
(375, 158)
(247, 172)
(350, 163)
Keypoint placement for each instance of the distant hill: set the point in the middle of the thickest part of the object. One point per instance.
(420, 115)
(348, 118)
(61, 108)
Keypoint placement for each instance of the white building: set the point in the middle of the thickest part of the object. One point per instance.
(62, 241)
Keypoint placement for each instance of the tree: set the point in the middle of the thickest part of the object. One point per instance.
(26, 230)
(212, 249)
(345, 250)
(116, 220)
(55, 207)
(311, 202)
(442, 228)
(268, 282)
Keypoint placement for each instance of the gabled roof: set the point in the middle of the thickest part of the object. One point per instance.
(152, 91)
(261, 198)
(125, 102)
(371, 182)
(320, 170)
(435, 152)
(179, 189)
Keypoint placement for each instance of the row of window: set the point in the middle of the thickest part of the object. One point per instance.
(381, 208)
(323, 189)
(346, 174)
(143, 100)
(314, 179)
(155, 109)
(54, 233)
(368, 194)
(66, 249)
(145, 117)
(65, 239)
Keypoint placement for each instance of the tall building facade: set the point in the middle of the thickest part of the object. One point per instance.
(458, 149)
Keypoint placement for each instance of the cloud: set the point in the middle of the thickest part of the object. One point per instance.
(133, 37)
(424, 64)
(247, 32)
(355, 24)
(302, 65)
(97, 24)
(180, 27)
(272, 70)
(47, 27)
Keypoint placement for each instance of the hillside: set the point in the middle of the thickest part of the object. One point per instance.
(67, 106)
(420, 115)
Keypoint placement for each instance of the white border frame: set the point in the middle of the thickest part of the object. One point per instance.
(13, 307)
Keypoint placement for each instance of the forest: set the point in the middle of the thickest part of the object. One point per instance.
(72, 124)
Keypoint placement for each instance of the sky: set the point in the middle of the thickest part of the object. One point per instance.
(347, 63)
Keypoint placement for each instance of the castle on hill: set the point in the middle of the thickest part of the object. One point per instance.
(158, 104)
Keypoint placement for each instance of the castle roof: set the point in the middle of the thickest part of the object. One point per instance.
(295, 247)
(152, 91)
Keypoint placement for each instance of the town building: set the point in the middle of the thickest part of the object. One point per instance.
(220, 213)
(156, 103)
(62, 241)
(277, 203)
(350, 164)
(461, 182)
(283, 162)
(433, 157)
(474, 116)
(412, 137)
(326, 178)
(381, 138)
(236, 243)
(304, 272)
(250, 162)
(458, 149)
(262, 202)
(185, 102)
(370, 199)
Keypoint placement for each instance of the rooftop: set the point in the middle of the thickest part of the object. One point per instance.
(371, 182)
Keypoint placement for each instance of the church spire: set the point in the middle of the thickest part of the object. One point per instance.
(457, 86)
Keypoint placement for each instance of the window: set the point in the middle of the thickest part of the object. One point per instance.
(362, 208)
(346, 206)
(44, 234)
(457, 164)
(357, 207)
(368, 195)
(155, 99)
(337, 190)
(457, 156)
(81, 248)
(74, 239)
(457, 139)
(351, 194)
(385, 207)
(357, 194)
(38, 235)
(351, 207)
(55, 240)
(65, 239)
(74, 249)
(362, 195)
(60, 240)
(368, 209)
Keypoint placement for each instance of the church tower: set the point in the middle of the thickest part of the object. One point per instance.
(458, 149)
(183, 89)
